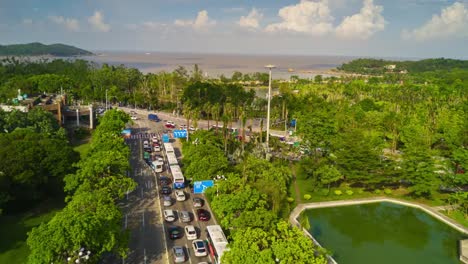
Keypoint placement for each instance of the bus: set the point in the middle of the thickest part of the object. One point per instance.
(168, 148)
(177, 177)
(171, 159)
(217, 242)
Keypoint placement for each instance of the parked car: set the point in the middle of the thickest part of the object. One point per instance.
(179, 254)
(134, 118)
(190, 232)
(180, 195)
(198, 202)
(199, 248)
(169, 215)
(166, 190)
(167, 200)
(203, 215)
(157, 148)
(185, 216)
(175, 232)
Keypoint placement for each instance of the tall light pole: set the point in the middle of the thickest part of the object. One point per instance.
(269, 67)
(106, 99)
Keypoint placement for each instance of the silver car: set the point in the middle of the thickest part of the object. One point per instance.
(185, 216)
(179, 254)
(167, 200)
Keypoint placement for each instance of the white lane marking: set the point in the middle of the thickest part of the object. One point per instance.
(144, 254)
(127, 194)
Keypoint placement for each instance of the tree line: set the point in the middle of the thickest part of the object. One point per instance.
(250, 202)
(91, 219)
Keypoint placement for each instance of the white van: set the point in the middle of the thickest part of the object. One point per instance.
(158, 165)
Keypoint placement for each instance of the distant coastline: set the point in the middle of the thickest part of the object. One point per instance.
(216, 64)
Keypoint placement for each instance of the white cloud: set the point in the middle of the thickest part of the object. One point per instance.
(69, 23)
(27, 21)
(97, 22)
(305, 17)
(364, 24)
(202, 22)
(251, 20)
(452, 21)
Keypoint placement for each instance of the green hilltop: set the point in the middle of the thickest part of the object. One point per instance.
(37, 49)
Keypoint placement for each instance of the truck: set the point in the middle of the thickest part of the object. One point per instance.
(153, 117)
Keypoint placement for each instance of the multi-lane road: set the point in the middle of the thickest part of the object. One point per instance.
(149, 239)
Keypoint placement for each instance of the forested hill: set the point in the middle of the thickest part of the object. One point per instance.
(379, 66)
(37, 49)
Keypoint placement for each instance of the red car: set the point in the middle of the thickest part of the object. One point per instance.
(170, 124)
(203, 215)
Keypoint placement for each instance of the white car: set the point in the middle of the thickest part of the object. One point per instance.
(169, 215)
(157, 148)
(199, 248)
(134, 117)
(167, 200)
(180, 195)
(190, 232)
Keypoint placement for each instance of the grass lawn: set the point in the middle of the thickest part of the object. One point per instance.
(14, 229)
(457, 216)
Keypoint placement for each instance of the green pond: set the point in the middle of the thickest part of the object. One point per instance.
(384, 233)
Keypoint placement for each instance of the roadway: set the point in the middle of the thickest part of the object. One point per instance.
(149, 240)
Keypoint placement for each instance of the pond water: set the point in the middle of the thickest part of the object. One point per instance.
(384, 233)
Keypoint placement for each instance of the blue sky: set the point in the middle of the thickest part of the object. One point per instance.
(384, 28)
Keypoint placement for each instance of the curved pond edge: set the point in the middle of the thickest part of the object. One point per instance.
(293, 217)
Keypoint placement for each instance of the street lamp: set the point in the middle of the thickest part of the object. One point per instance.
(82, 255)
(106, 99)
(269, 67)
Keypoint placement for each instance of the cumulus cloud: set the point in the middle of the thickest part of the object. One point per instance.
(364, 24)
(202, 22)
(250, 21)
(305, 17)
(452, 21)
(69, 23)
(97, 22)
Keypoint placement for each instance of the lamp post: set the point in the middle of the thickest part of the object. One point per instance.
(216, 179)
(269, 67)
(81, 255)
(106, 99)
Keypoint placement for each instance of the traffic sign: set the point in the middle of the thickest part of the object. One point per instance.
(180, 133)
(200, 186)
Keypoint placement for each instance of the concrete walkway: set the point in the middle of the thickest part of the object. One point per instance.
(433, 211)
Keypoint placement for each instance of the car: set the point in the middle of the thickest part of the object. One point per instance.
(192, 128)
(203, 215)
(134, 118)
(166, 190)
(170, 124)
(179, 254)
(184, 216)
(157, 148)
(169, 215)
(167, 200)
(180, 195)
(190, 232)
(198, 202)
(132, 112)
(164, 181)
(199, 248)
(175, 232)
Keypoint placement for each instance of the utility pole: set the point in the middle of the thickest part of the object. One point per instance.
(269, 67)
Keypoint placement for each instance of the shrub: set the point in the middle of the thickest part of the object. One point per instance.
(290, 199)
(377, 191)
(387, 191)
(349, 192)
(338, 192)
(361, 191)
(324, 191)
(307, 196)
